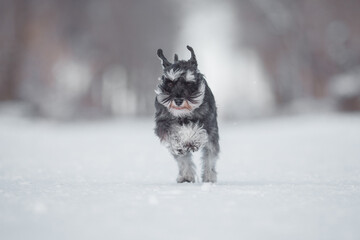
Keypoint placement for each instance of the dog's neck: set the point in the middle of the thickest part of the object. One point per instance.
(184, 120)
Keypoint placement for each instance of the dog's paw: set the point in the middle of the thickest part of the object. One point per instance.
(209, 176)
(184, 179)
(179, 151)
(192, 146)
(176, 148)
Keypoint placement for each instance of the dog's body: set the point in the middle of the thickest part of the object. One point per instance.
(186, 118)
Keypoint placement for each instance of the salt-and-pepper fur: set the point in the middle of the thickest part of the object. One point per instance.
(186, 118)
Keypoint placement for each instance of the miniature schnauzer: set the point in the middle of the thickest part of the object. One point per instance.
(186, 117)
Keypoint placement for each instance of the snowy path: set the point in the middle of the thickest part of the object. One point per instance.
(288, 178)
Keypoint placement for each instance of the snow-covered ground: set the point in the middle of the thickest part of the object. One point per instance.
(286, 178)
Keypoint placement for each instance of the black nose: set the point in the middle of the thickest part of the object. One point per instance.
(178, 101)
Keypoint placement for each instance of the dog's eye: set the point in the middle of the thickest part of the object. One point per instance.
(169, 83)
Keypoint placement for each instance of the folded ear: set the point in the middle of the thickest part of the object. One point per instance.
(192, 60)
(176, 58)
(163, 59)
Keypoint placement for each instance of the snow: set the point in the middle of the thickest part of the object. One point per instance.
(281, 178)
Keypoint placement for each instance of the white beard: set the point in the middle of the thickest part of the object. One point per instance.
(179, 112)
(183, 111)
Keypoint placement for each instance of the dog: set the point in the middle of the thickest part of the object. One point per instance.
(186, 117)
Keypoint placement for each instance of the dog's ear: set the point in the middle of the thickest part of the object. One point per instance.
(163, 59)
(192, 60)
(176, 58)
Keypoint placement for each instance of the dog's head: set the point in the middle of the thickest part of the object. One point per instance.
(181, 88)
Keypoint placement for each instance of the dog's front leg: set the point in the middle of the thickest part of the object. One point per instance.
(209, 158)
(186, 168)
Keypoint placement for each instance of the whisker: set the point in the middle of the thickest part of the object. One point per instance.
(194, 98)
(166, 100)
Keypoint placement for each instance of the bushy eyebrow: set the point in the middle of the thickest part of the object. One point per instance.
(172, 75)
(189, 77)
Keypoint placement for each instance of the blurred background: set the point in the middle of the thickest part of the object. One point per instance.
(87, 59)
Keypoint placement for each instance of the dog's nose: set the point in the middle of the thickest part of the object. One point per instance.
(178, 101)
